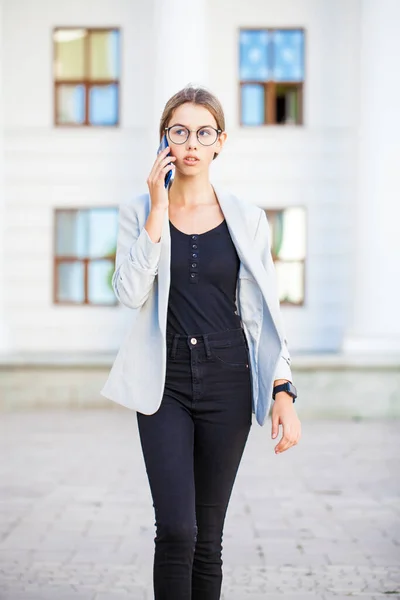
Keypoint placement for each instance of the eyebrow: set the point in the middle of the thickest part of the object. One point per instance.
(199, 127)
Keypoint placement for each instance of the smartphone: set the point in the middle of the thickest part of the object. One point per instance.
(162, 146)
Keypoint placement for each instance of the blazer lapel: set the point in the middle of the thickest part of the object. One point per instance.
(243, 240)
(164, 272)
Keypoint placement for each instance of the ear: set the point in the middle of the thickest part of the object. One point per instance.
(221, 141)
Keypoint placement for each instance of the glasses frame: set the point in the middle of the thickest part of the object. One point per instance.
(218, 131)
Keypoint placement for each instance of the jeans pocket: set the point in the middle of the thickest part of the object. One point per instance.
(234, 357)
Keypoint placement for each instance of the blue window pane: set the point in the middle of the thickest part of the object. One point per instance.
(115, 60)
(103, 107)
(71, 104)
(252, 104)
(254, 48)
(87, 233)
(70, 282)
(71, 231)
(100, 276)
(103, 229)
(288, 53)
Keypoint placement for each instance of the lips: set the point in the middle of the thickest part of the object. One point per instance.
(190, 160)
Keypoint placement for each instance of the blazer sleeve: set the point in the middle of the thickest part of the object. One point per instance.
(263, 245)
(136, 261)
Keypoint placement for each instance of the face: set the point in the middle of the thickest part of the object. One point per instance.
(193, 116)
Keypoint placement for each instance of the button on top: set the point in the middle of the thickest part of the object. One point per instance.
(193, 276)
(193, 341)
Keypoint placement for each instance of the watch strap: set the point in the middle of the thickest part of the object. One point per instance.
(285, 387)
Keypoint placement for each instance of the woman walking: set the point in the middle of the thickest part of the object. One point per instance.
(206, 348)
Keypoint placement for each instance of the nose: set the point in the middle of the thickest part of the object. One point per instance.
(189, 145)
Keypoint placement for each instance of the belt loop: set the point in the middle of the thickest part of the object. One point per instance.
(207, 345)
(174, 345)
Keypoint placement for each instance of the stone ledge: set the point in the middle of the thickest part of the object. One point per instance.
(301, 362)
(56, 359)
(333, 361)
(329, 386)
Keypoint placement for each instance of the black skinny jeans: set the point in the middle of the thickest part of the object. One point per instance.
(192, 447)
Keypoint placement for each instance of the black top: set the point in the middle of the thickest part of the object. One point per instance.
(204, 270)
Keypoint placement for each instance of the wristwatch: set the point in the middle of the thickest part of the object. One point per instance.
(285, 387)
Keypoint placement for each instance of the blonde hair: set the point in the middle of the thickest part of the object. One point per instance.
(195, 95)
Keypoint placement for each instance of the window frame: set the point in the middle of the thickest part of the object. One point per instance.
(86, 82)
(86, 261)
(269, 86)
(270, 212)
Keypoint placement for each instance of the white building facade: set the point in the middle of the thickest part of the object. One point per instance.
(341, 165)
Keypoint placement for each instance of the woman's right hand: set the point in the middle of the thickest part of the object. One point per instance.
(155, 180)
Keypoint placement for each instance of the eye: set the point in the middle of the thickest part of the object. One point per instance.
(178, 131)
(205, 132)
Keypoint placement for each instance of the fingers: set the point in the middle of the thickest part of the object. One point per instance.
(275, 426)
(163, 153)
(161, 166)
(284, 444)
(291, 437)
(162, 171)
(163, 158)
(165, 162)
(160, 161)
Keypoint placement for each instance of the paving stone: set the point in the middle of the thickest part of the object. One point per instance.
(320, 521)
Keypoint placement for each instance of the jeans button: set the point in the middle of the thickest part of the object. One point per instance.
(193, 341)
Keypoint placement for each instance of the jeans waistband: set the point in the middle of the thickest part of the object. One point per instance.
(203, 340)
(217, 336)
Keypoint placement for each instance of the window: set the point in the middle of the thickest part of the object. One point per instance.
(86, 76)
(271, 73)
(85, 247)
(288, 249)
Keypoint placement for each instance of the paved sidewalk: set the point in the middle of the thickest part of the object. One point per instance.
(76, 516)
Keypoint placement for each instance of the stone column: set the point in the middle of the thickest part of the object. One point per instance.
(181, 49)
(375, 320)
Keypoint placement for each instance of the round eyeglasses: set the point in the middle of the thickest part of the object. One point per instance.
(178, 134)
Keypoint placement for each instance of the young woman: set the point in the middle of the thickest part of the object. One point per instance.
(206, 348)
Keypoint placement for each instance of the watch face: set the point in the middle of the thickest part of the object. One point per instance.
(287, 387)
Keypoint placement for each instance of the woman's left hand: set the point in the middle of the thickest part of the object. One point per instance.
(283, 413)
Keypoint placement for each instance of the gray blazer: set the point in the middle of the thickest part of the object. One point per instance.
(141, 281)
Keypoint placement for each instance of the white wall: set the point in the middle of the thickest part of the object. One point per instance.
(46, 167)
